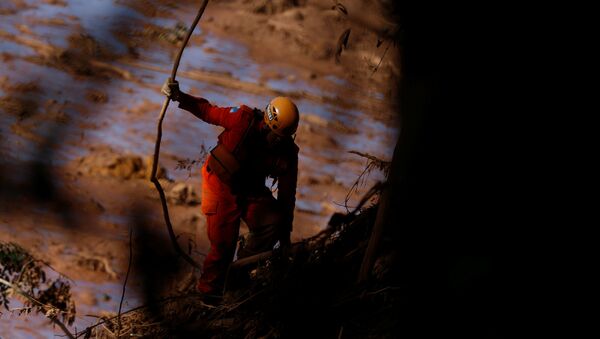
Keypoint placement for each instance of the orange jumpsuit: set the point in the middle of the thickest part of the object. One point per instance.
(269, 220)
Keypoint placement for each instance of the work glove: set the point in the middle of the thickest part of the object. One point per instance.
(171, 89)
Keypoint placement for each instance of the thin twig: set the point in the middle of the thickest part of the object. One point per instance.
(377, 188)
(380, 60)
(126, 277)
(62, 275)
(345, 205)
(384, 289)
(370, 157)
(356, 184)
(373, 163)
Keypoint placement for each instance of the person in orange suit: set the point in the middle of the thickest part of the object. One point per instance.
(253, 146)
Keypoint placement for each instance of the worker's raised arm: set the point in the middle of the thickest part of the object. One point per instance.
(199, 107)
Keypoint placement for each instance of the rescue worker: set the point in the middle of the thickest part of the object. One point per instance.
(253, 146)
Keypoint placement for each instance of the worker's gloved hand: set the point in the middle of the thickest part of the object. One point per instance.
(171, 89)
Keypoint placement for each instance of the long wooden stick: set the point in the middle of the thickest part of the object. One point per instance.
(163, 111)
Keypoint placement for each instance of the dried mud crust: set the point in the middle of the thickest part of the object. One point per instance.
(105, 162)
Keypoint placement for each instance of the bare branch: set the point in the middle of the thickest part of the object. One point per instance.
(380, 60)
(126, 278)
(370, 157)
(374, 162)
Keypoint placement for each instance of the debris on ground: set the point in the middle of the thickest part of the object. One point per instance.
(97, 264)
(105, 162)
(276, 295)
(183, 194)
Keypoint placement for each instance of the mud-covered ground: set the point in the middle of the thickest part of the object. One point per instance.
(79, 93)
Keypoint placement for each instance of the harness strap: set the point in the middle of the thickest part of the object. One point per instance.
(237, 147)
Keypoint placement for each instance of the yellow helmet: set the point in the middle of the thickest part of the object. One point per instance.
(282, 116)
